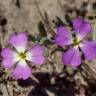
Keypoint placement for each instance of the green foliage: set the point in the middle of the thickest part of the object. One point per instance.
(58, 22)
(32, 38)
(68, 20)
(47, 42)
(42, 30)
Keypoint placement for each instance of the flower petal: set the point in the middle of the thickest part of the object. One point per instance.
(63, 37)
(36, 55)
(72, 57)
(19, 41)
(22, 72)
(89, 49)
(39, 60)
(81, 27)
(8, 57)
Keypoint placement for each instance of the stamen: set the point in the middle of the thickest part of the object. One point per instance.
(22, 55)
(76, 41)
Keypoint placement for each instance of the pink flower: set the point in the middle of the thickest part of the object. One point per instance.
(20, 56)
(76, 42)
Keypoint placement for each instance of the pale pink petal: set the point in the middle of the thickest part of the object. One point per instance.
(8, 56)
(72, 57)
(36, 55)
(63, 37)
(81, 27)
(89, 49)
(19, 41)
(22, 72)
(39, 60)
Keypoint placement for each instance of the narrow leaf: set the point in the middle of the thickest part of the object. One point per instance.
(58, 22)
(68, 20)
(42, 30)
(32, 38)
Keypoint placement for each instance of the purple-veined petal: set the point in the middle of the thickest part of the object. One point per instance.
(89, 49)
(19, 41)
(72, 57)
(81, 27)
(22, 72)
(8, 57)
(63, 37)
(36, 55)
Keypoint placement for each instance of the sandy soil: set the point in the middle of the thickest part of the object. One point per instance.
(23, 15)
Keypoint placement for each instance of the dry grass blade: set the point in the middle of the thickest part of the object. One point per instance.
(89, 71)
(46, 24)
(94, 30)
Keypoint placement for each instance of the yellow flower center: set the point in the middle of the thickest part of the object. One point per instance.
(76, 41)
(22, 55)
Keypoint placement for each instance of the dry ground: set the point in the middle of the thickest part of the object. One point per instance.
(23, 15)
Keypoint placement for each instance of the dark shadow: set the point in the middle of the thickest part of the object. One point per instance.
(26, 83)
(60, 87)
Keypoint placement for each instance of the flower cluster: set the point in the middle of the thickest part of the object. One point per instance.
(19, 57)
(78, 45)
